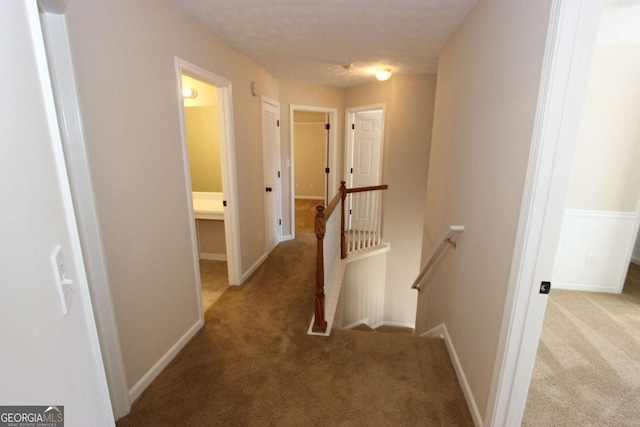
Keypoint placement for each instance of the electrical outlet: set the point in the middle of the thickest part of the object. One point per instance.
(260, 236)
(591, 260)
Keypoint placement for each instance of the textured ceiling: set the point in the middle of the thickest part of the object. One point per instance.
(309, 40)
(620, 23)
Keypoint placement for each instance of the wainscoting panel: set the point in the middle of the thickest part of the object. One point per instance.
(362, 296)
(594, 250)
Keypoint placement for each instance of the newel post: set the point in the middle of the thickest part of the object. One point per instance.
(343, 236)
(319, 324)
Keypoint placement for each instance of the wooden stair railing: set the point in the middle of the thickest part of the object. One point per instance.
(322, 216)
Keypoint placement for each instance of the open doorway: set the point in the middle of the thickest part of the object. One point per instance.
(311, 148)
(313, 163)
(587, 354)
(208, 157)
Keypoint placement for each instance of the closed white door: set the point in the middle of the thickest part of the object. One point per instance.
(366, 162)
(271, 169)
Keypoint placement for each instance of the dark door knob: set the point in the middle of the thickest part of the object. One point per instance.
(268, 189)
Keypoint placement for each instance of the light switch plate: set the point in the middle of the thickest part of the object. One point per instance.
(59, 275)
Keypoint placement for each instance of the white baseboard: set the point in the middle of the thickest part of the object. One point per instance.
(213, 257)
(308, 197)
(583, 288)
(253, 268)
(440, 331)
(365, 321)
(158, 367)
(635, 260)
(399, 324)
(287, 237)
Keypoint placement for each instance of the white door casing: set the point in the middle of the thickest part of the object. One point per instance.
(332, 184)
(227, 168)
(61, 350)
(570, 42)
(271, 171)
(58, 50)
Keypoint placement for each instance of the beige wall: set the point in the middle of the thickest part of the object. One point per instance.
(211, 237)
(307, 94)
(203, 141)
(409, 104)
(606, 167)
(488, 82)
(136, 160)
(310, 142)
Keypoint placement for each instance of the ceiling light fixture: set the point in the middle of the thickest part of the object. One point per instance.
(347, 65)
(383, 74)
(189, 92)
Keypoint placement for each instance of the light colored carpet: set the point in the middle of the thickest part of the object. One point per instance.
(214, 280)
(253, 364)
(587, 370)
(306, 215)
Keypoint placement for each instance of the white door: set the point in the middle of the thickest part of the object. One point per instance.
(271, 170)
(39, 343)
(367, 148)
(366, 162)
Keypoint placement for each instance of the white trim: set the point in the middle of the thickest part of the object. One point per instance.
(365, 321)
(56, 37)
(635, 260)
(162, 363)
(396, 324)
(75, 251)
(278, 195)
(253, 268)
(297, 196)
(600, 214)
(584, 288)
(213, 257)
(227, 165)
(287, 237)
(333, 154)
(571, 37)
(440, 331)
(369, 252)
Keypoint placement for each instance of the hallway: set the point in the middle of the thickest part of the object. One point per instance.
(253, 364)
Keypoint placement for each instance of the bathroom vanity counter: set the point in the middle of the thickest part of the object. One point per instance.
(208, 206)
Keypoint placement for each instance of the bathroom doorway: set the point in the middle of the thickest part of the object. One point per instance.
(208, 153)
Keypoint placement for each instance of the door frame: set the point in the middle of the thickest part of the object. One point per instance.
(227, 166)
(55, 34)
(52, 51)
(332, 160)
(350, 114)
(278, 195)
(571, 37)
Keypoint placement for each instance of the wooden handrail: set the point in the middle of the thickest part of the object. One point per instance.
(332, 205)
(363, 189)
(320, 227)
